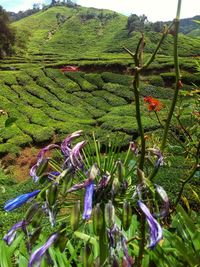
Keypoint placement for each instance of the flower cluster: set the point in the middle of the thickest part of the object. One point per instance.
(102, 187)
(153, 103)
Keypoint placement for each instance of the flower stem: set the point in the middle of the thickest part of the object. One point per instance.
(177, 73)
(103, 245)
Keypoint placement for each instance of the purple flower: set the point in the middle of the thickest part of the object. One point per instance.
(88, 201)
(162, 193)
(53, 175)
(66, 144)
(40, 160)
(155, 228)
(10, 236)
(133, 147)
(37, 255)
(75, 155)
(19, 201)
(160, 159)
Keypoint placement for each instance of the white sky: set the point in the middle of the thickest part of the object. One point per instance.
(153, 9)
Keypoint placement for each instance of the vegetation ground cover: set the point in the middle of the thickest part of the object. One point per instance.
(41, 104)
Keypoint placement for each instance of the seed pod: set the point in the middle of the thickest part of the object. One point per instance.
(97, 219)
(93, 172)
(37, 218)
(109, 214)
(31, 212)
(75, 214)
(115, 186)
(87, 255)
(126, 215)
(121, 171)
(51, 194)
(35, 235)
(42, 167)
(61, 241)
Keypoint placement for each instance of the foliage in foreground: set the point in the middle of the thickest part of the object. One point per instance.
(124, 210)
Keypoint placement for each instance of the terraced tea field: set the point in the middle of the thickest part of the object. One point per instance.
(47, 104)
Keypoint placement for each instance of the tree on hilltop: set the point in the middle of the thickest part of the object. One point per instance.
(7, 35)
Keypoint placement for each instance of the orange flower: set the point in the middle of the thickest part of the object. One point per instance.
(154, 104)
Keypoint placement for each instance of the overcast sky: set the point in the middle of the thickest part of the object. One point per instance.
(153, 9)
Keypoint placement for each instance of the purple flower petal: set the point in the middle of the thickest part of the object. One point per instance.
(10, 236)
(75, 155)
(42, 152)
(37, 255)
(160, 159)
(65, 146)
(88, 201)
(165, 199)
(40, 160)
(155, 228)
(19, 201)
(33, 173)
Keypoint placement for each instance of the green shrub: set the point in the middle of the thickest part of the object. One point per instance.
(98, 102)
(95, 79)
(9, 132)
(23, 78)
(62, 81)
(38, 133)
(27, 98)
(110, 77)
(20, 140)
(8, 78)
(84, 84)
(157, 92)
(112, 99)
(9, 148)
(186, 78)
(156, 80)
(119, 90)
(36, 115)
(9, 93)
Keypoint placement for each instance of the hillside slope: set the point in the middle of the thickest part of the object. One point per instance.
(79, 31)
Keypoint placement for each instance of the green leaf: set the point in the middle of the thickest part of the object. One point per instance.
(186, 219)
(89, 239)
(5, 258)
(9, 122)
(23, 262)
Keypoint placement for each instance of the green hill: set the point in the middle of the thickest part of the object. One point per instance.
(79, 31)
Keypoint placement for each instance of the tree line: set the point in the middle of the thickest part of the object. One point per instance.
(7, 34)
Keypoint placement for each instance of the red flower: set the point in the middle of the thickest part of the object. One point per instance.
(69, 69)
(154, 104)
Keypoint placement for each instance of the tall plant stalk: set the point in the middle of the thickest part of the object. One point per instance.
(177, 74)
(138, 69)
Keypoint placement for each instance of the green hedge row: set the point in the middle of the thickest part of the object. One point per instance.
(110, 77)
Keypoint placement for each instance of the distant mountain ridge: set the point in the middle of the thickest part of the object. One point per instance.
(89, 31)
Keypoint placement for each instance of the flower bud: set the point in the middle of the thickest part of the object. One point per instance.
(97, 219)
(126, 215)
(51, 194)
(121, 171)
(87, 256)
(35, 235)
(115, 186)
(61, 241)
(37, 218)
(109, 214)
(75, 214)
(31, 212)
